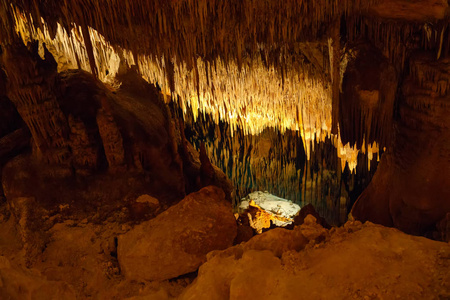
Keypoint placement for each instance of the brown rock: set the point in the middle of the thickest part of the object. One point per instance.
(310, 210)
(244, 234)
(371, 262)
(85, 155)
(443, 228)
(277, 241)
(82, 255)
(20, 283)
(33, 89)
(410, 188)
(111, 137)
(30, 224)
(149, 200)
(176, 242)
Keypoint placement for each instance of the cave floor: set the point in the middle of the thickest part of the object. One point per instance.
(355, 261)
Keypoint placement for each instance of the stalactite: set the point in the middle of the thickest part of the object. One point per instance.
(243, 70)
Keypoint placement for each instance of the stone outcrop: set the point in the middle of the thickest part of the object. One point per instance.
(176, 241)
(32, 222)
(355, 261)
(33, 89)
(409, 190)
(13, 143)
(310, 210)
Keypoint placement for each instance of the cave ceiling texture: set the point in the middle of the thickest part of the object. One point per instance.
(343, 70)
(367, 75)
(128, 122)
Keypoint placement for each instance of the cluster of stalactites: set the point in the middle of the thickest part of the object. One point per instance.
(69, 48)
(187, 28)
(251, 94)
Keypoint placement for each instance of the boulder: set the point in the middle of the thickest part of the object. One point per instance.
(176, 241)
(149, 200)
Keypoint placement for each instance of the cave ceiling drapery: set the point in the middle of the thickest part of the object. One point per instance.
(254, 64)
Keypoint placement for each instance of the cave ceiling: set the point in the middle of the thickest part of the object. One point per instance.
(253, 64)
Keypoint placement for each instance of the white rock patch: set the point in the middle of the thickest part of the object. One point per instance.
(272, 204)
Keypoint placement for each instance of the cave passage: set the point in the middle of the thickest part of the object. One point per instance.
(276, 162)
(224, 149)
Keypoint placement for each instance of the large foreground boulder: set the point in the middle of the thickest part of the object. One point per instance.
(176, 242)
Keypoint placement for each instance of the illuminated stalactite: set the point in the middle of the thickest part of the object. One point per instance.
(276, 162)
(245, 91)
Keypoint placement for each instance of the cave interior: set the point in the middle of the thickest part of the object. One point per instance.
(132, 132)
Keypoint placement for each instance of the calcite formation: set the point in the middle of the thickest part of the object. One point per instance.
(130, 128)
(33, 89)
(409, 191)
(247, 71)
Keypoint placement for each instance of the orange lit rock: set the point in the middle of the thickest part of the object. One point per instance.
(176, 242)
(354, 262)
(20, 283)
(417, 10)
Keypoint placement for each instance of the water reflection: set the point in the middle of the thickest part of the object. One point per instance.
(276, 162)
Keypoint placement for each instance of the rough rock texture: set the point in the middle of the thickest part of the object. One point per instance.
(410, 189)
(81, 254)
(411, 10)
(85, 154)
(193, 172)
(279, 240)
(32, 87)
(356, 261)
(369, 87)
(30, 216)
(13, 144)
(79, 259)
(111, 137)
(26, 284)
(176, 241)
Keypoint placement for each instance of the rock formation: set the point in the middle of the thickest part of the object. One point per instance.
(270, 273)
(33, 89)
(409, 189)
(130, 129)
(176, 242)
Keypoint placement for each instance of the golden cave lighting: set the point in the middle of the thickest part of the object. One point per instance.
(251, 96)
